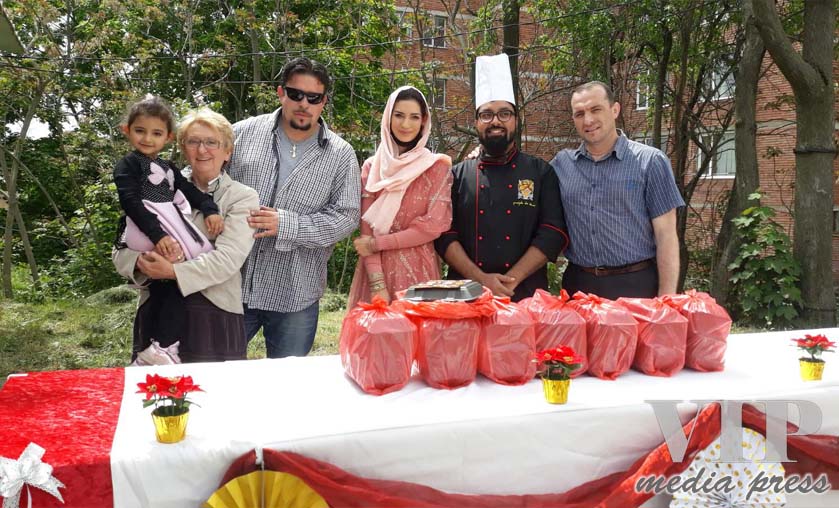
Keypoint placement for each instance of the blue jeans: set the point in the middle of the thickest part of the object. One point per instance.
(286, 333)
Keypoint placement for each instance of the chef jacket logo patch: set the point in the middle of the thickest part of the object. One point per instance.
(526, 189)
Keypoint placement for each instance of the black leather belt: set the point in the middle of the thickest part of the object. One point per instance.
(601, 271)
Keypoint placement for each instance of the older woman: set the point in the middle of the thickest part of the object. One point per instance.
(211, 328)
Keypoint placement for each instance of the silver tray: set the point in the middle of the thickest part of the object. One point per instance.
(459, 290)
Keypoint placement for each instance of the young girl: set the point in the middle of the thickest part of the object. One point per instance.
(156, 200)
(154, 195)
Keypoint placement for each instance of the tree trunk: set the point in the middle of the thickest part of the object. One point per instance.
(747, 178)
(660, 85)
(811, 76)
(511, 47)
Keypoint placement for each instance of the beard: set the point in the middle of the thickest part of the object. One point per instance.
(496, 144)
(299, 125)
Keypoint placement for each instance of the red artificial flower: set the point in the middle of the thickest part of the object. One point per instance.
(151, 387)
(168, 393)
(814, 345)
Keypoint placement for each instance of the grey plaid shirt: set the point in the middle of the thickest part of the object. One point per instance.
(318, 206)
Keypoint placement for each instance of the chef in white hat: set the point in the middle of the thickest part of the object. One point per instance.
(507, 218)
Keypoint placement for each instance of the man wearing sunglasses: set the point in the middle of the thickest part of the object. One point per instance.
(309, 186)
(507, 219)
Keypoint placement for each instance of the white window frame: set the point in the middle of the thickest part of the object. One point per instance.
(725, 146)
(726, 86)
(406, 28)
(438, 31)
(642, 91)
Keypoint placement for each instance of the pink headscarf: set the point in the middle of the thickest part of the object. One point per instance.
(391, 173)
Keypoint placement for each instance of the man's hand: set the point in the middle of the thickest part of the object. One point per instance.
(265, 219)
(365, 245)
(155, 266)
(497, 283)
(473, 154)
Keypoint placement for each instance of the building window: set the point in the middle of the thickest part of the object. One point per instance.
(719, 83)
(722, 165)
(438, 93)
(835, 219)
(642, 91)
(648, 140)
(435, 32)
(406, 28)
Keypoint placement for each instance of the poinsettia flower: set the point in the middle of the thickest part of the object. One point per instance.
(814, 345)
(168, 393)
(151, 387)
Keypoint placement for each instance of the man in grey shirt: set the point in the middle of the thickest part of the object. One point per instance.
(309, 186)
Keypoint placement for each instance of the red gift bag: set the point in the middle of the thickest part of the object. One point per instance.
(507, 344)
(377, 347)
(662, 335)
(708, 327)
(612, 334)
(447, 338)
(557, 324)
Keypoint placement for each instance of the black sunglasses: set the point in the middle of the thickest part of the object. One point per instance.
(297, 95)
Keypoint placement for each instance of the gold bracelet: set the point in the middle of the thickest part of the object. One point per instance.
(376, 287)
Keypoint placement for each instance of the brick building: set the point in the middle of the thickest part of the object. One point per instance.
(443, 44)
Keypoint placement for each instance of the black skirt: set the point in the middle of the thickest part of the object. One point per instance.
(206, 332)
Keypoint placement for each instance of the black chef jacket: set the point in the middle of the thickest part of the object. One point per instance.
(501, 209)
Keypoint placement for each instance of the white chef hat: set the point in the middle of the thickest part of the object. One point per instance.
(493, 80)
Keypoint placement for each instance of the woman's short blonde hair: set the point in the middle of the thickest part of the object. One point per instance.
(209, 118)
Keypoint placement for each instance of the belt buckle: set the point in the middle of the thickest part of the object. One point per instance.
(600, 271)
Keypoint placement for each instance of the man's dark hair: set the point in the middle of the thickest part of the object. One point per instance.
(303, 65)
(595, 84)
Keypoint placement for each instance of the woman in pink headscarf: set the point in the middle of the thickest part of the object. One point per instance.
(405, 203)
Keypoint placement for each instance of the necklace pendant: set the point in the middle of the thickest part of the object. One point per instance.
(293, 151)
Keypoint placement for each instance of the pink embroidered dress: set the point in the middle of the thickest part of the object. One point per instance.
(405, 251)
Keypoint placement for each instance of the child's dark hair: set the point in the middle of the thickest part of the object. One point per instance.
(153, 106)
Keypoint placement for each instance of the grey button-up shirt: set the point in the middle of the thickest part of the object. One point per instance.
(318, 206)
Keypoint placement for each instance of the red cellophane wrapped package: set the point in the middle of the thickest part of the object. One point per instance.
(557, 324)
(612, 335)
(662, 335)
(507, 344)
(377, 347)
(708, 328)
(448, 333)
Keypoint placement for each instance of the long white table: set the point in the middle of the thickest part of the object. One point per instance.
(483, 439)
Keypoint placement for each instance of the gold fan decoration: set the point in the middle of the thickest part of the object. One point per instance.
(707, 464)
(268, 489)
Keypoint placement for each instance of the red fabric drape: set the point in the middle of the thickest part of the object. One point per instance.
(815, 454)
(73, 416)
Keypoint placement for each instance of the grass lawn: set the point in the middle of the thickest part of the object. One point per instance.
(96, 332)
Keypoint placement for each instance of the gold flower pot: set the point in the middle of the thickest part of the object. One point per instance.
(556, 390)
(170, 429)
(810, 370)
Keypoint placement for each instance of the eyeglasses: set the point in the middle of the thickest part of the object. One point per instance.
(297, 95)
(503, 115)
(209, 143)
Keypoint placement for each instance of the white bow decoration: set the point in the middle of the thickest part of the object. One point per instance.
(27, 470)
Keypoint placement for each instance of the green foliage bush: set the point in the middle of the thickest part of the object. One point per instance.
(764, 275)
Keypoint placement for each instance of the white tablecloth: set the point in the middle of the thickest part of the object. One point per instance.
(484, 438)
